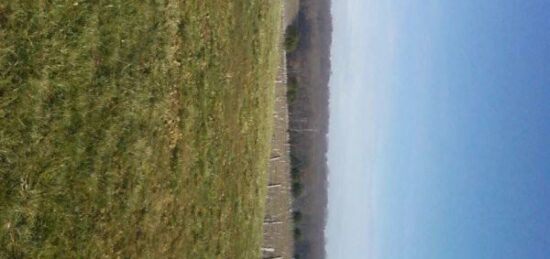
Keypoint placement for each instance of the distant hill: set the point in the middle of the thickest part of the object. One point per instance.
(309, 68)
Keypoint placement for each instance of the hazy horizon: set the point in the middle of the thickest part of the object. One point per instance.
(439, 130)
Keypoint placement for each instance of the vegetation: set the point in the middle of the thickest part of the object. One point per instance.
(297, 234)
(295, 174)
(297, 186)
(292, 89)
(292, 38)
(135, 129)
(297, 216)
(297, 189)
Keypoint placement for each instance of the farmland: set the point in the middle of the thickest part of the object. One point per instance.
(135, 129)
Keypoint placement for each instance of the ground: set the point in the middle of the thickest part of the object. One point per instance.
(278, 224)
(135, 128)
(278, 239)
(292, 8)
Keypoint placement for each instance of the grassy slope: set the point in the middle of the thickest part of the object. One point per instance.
(135, 128)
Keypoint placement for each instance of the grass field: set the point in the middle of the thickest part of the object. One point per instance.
(135, 129)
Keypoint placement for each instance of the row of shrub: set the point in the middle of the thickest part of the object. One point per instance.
(292, 40)
(297, 190)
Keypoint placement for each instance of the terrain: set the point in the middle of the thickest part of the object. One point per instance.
(278, 225)
(135, 129)
(278, 220)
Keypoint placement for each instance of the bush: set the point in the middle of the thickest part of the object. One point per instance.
(295, 174)
(297, 216)
(292, 89)
(292, 39)
(297, 234)
(297, 189)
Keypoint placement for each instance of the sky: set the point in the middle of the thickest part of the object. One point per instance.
(439, 138)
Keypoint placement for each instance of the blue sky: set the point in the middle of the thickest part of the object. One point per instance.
(439, 130)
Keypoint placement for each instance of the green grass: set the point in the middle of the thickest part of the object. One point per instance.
(135, 129)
